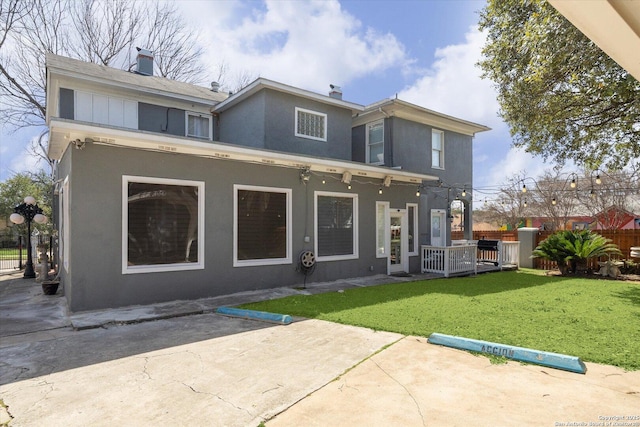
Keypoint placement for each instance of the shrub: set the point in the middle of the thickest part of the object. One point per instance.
(572, 249)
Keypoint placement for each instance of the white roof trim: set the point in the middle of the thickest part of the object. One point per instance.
(69, 68)
(415, 113)
(63, 132)
(262, 83)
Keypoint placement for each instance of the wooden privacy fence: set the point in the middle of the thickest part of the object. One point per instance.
(624, 239)
(505, 236)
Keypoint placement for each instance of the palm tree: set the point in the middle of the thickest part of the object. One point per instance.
(571, 250)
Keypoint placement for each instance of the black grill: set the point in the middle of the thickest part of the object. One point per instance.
(488, 245)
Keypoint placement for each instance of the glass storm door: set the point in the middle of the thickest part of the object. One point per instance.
(399, 243)
(438, 227)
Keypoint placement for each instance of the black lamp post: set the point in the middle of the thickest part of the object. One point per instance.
(28, 211)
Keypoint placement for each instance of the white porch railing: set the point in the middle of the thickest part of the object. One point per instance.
(509, 254)
(463, 258)
(449, 260)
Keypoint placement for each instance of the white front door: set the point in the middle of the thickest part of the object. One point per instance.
(438, 227)
(399, 242)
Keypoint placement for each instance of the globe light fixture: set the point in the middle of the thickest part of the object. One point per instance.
(28, 211)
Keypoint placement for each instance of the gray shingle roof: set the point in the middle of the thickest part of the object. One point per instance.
(112, 76)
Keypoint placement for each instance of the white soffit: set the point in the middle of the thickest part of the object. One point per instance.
(613, 25)
(63, 132)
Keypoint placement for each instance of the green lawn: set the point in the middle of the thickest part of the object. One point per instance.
(596, 320)
(6, 253)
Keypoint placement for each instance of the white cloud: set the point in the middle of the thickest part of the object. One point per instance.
(453, 84)
(304, 44)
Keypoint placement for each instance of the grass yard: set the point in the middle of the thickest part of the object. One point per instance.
(11, 253)
(596, 320)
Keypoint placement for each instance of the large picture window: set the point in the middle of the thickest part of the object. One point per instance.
(163, 225)
(262, 226)
(311, 124)
(336, 224)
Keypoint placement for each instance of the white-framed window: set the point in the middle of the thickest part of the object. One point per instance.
(336, 226)
(162, 224)
(437, 149)
(198, 125)
(311, 124)
(105, 110)
(412, 223)
(382, 227)
(375, 143)
(261, 226)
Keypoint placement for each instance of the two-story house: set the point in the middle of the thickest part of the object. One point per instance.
(168, 190)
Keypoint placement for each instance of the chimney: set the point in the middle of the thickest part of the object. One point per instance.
(336, 92)
(215, 86)
(145, 62)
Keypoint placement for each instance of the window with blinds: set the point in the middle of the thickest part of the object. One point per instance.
(336, 218)
(198, 125)
(262, 226)
(163, 228)
(311, 124)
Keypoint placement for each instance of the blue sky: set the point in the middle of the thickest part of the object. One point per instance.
(423, 51)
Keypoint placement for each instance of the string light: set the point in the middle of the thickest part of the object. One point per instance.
(553, 201)
(573, 183)
(598, 180)
(524, 188)
(380, 190)
(418, 192)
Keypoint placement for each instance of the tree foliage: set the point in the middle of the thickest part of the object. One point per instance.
(15, 189)
(104, 32)
(562, 97)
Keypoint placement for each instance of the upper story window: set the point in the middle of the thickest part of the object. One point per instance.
(437, 149)
(198, 125)
(106, 110)
(311, 124)
(375, 143)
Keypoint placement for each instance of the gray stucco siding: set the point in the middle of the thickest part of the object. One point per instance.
(156, 118)
(244, 123)
(267, 120)
(281, 123)
(96, 279)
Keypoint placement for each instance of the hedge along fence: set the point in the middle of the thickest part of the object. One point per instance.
(624, 239)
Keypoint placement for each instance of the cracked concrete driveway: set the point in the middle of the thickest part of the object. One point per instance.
(207, 370)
